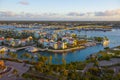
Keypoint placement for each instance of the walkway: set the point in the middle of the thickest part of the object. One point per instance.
(103, 63)
(19, 67)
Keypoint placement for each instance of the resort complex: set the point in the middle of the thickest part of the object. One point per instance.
(59, 39)
(41, 52)
(51, 40)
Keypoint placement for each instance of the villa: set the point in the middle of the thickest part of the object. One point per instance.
(1, 40)
(56, 46)
(58, 40)
(2, 65)
(106, 43)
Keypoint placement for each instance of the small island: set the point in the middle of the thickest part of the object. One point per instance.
(56, 41)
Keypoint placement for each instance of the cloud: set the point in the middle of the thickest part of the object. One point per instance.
(101, 15)
(23, 15)
(7, 14)
(23, 3)
(75, 14)
(108, 13)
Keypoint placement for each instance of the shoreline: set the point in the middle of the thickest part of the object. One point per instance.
(48, 50)
(60, 51)
(103, 51)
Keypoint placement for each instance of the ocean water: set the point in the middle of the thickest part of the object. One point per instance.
(81, 55)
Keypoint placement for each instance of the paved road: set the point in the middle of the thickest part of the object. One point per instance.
(112, 61)
(18, 66)
(42, 75)
(7, 70)
(86, 68)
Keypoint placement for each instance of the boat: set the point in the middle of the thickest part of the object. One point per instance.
(31, 49)
(12, 50)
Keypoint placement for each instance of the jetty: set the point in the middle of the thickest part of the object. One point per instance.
(16, 49)
(62, 50)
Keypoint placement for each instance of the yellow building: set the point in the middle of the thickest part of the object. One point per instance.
(30, 38)
(75, 42)
(73, 35)
(64, 45)
(55, 46)
(106, 43)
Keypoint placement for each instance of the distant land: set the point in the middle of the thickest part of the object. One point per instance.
(110, 23)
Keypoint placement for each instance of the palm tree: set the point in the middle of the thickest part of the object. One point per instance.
(0, 76)
(12, 55)
(65, 73)
(64, 62)
(15, 71)
(38, 66)
(57, 68)
(26, 55)
(2, 52)
(50, 60)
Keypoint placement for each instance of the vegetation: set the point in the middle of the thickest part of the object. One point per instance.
(44, 69)
(98, 39)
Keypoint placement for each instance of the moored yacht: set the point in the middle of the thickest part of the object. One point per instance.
(31, 49)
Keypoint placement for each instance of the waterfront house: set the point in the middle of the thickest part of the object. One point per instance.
(8, 41)
(45, 44)
(55, 37)
(17, 42)
(36, 35)
(51, 44)
(40, 41)
(55, 45)
(2, 65)
(65, 39)
(1, 40)
(75, 42)
(29, 38)
(64, 45)
(12, 43)
(106, 43)
(23, 42)
(71, 41)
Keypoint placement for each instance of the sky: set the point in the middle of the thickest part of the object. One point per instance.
(72, 10)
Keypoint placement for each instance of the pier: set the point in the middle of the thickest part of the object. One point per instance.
(16, 49)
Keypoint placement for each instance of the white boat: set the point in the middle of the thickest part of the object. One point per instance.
(12, 50)
(27, 48)
(31, 49)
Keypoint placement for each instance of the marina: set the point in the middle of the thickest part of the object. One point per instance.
(59, 39)
(81, 55)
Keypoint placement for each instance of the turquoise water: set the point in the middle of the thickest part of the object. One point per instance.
(81, 55)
